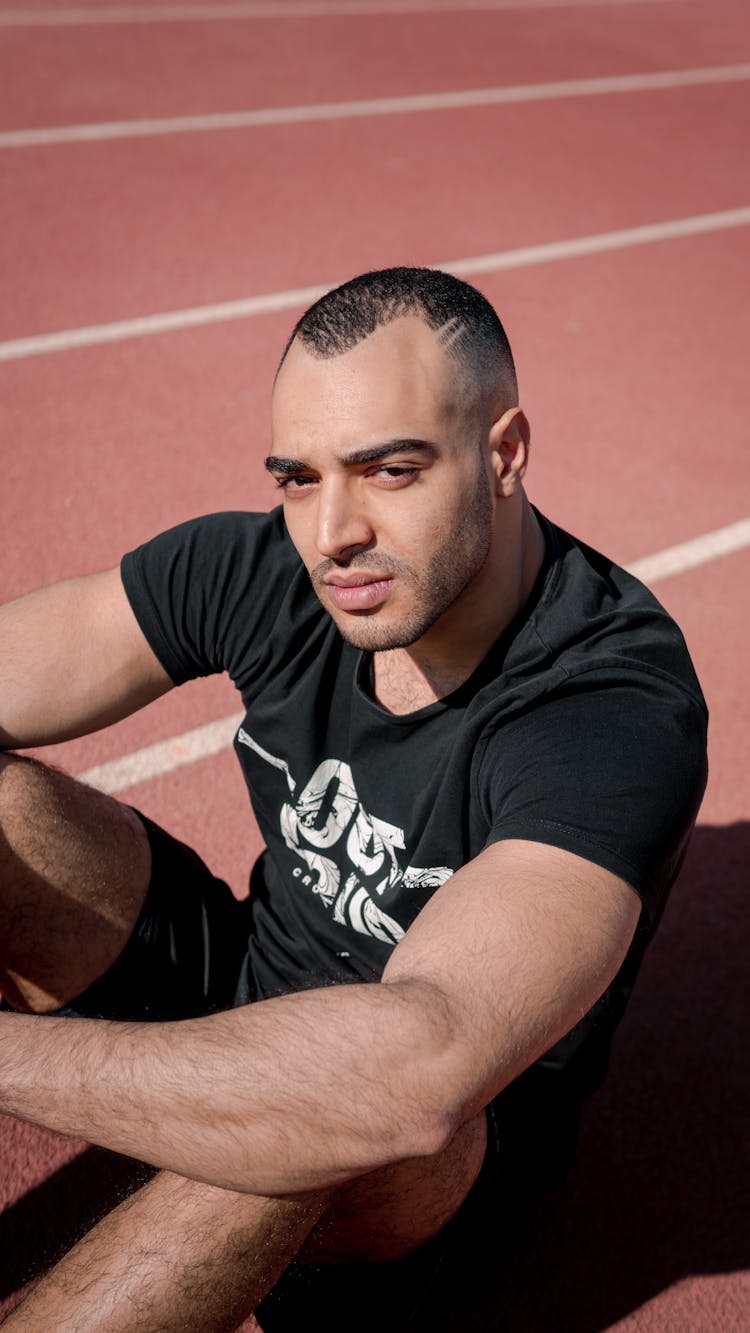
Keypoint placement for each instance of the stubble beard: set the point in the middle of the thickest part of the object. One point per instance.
(457, 561)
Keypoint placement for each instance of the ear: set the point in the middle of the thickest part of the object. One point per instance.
(509, 441)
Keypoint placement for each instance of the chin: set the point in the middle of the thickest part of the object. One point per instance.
(373, 637)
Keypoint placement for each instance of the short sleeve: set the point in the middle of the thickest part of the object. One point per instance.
(204, 592)
(611, 767)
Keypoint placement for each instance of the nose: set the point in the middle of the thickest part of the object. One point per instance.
(343, 525)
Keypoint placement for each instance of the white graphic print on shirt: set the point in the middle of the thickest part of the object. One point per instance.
(324, 813)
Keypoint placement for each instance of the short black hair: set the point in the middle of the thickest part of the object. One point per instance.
(463, 320)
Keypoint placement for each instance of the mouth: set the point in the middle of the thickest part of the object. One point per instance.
(359, 593)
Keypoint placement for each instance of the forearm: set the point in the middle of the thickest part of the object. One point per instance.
(287, 1095)
(175, 1255)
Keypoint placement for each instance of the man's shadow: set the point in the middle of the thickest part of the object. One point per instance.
(660, 1186)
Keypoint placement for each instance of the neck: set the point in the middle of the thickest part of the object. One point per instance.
(407, 679)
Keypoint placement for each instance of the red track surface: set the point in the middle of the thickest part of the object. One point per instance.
(633, 370)
(143, 225)
(266, 63)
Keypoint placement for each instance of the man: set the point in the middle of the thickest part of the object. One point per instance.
(475, 749)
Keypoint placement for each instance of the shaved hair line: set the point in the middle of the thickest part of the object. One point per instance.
(463, 321)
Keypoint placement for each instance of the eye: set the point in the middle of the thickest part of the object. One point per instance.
(299, 481)
(394, 475)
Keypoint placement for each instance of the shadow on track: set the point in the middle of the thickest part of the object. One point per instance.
(660, 1186)
(37, 1230)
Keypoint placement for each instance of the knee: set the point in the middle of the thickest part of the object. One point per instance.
(27, 799)
(396, 1209)
(21, 779)
(40, 806)
(28, 786)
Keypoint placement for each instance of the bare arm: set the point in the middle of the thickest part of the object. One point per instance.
(73, 660)
(308, 1090)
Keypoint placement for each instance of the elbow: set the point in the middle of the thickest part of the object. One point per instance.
(430, 1103)
(437, 1135)
(427, 1132)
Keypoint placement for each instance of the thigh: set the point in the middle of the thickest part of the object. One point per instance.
(74, 870)
(391, 1212)
(103, 914)
(187, 955)
(441, 1286)
(369, 1261)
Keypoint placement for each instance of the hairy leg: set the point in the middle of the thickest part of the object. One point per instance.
(176, 1255)
(179, 1254)
(74, 871)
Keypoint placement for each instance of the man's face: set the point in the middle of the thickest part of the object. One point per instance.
(387, 493)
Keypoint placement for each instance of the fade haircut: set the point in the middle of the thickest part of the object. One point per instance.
(463, 321)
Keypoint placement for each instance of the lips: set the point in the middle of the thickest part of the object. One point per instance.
(358, 594)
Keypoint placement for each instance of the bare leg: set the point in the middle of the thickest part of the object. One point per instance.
(182, 1255)
(177, 1255)
(74, 870)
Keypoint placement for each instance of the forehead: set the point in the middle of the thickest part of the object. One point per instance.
(399, 381)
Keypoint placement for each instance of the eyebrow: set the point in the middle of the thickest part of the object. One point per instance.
(371, 455)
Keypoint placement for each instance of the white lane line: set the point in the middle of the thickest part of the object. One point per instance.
(591, 245)
(164, 757)
(298, 297)
(284, 9)
(154, 761)
(167, 322)
(374, 106)
(690, 554)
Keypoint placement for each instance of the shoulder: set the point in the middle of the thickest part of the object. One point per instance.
(237, 528)
(593, 615)
(207, 593)
(214, 546)
(602, 749)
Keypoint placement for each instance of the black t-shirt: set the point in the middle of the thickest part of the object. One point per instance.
(584, 727)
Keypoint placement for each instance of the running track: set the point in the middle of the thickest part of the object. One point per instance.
(176, 179)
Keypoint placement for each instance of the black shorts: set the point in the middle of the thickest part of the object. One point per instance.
(187, 955)
(455, 1281)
